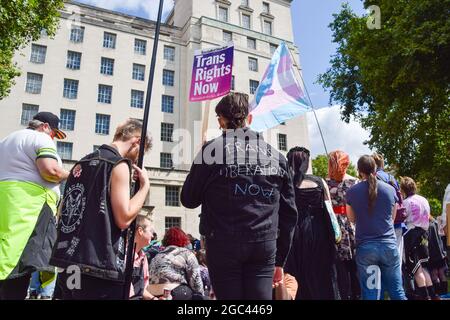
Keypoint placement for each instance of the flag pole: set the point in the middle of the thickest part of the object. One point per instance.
(131, 231)
(310, 102)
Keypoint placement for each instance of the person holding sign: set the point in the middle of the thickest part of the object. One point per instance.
(248, 206)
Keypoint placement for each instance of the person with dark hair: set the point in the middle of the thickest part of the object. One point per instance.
(339, 182)
(195, 243)
(416, 239)
(246, 193)
(437, 265)
(371, 204)
(313, 254)
(201, 257)
(176, 268)
(95, 214)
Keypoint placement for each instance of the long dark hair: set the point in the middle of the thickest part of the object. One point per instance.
(298, 161)
(367, 165)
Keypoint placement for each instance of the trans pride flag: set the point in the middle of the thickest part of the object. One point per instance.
(279, 97)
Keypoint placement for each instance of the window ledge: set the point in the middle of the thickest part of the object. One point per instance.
(224, 2)
(245, 8)
(267, 15)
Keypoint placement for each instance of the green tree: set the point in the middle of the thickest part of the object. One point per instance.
(395, 81)
(21, 21)
(320, 167)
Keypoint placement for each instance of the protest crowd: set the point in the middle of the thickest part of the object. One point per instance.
(269, 229)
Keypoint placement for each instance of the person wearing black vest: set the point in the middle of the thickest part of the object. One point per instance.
(94, 216)
(248, 206)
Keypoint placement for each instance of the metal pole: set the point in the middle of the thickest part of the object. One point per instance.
(311, 104)
(132, 229)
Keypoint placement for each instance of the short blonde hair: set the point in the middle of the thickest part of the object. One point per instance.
(129, 129)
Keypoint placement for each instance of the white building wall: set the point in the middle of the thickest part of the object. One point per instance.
(193, 25)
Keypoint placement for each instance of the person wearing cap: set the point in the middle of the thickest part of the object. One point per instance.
(30, 174)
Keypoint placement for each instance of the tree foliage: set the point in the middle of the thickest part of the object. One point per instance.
(320, 167)
(395, 81)
(22, 21)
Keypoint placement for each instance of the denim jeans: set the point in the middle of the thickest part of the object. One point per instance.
(36, 286)
(379, 266)
(240, 270)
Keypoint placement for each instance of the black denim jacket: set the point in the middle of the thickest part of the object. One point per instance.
(245, 189)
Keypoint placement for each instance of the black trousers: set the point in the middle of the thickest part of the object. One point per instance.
(241, 271)
(90, 288)
(348, 283)
(15, 289)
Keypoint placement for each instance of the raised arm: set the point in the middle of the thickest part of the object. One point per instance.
(125, 209)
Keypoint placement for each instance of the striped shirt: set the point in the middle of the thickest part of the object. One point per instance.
(19, 152)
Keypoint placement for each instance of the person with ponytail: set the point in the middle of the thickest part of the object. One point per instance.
(371, 205)
(313, 253)
(339, 182)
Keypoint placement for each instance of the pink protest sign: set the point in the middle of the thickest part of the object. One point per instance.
(212, 74)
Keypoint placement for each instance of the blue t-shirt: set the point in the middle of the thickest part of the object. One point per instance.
(377, 225)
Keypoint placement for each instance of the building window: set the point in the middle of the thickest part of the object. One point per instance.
(282, 142)
(251, 43)
(252, 64)
(172, 196)
(168, 77)
(109, 40)
(273, 48)
(253, 86)
(107, 66)
(64, 150)
(67, 119)
(167, 104)
(246, 21)
(73, 60)
(28, 112)
(268, 27)
(137, 99)
(102, 122)
(266, 8)
(166, 132)
(244, 3)
(232, 82)
(227, 36)
(38, 53)
(223, 14)
(171, 222)
(169, 53)
(77, 34)
(166, 160)
(104, 93)
(70, 89)
(34, 83)
(140, 46)
(138, 72)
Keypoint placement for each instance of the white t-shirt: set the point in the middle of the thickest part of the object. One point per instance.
(19, 152)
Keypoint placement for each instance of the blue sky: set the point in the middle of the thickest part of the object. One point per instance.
(313, 37)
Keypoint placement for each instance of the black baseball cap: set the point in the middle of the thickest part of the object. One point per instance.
(53, 121)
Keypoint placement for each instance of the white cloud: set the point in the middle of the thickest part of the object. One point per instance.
(348, 137)
(145, 8)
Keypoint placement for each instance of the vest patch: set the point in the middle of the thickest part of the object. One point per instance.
(73, 208)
